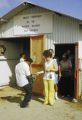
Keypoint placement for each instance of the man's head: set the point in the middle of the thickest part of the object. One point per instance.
(64, 58)
(22, 55)
(28, 60)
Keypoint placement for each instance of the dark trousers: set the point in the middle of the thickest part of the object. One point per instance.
(28, 90)
(66, 86)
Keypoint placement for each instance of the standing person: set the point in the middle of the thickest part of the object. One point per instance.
(22, 56)
(56, 74)
(48, 78)
(66, 72)
(70, 57)
(22, 71)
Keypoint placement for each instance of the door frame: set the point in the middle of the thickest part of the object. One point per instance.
(76, 71)
(76, 75)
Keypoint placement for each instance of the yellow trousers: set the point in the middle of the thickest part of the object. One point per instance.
(49, 91)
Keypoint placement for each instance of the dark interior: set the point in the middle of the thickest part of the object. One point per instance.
(60, 49)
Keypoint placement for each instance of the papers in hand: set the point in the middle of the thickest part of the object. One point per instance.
(40, 72)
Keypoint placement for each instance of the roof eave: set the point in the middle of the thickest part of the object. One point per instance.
(23, 6)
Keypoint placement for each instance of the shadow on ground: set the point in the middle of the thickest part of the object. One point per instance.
(17, 99)
(12, 99)
(38, 99)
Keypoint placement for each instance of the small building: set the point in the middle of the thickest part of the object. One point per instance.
(31, 29)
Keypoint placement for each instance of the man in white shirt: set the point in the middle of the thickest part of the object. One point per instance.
(22, 71)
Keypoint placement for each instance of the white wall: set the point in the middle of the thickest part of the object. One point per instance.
(7, 29)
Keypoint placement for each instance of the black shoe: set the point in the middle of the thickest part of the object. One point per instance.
(23, 105)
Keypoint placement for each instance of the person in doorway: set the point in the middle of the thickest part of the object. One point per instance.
(57, 74)
(66, 75)
(22, 71)
(70, 57)
(48, 78)
(22, 56)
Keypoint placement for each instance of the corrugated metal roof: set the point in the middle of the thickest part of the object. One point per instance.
(71, 8)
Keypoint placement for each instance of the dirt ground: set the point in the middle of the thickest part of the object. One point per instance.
(63, 109)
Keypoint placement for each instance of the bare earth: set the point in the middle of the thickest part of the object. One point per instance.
(10, 109)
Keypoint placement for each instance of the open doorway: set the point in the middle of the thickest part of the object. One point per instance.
(61, 49)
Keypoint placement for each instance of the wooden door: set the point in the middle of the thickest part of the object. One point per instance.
(36, 54)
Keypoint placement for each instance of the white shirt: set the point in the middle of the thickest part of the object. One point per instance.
(22, 70)
(55, 61)
(49, 75)
(21, 60)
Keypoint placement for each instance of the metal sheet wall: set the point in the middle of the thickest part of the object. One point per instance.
(80, 34)
(49, 41)
(65, 29)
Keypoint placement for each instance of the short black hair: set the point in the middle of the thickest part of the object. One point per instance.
(21, 54)
(28, 59)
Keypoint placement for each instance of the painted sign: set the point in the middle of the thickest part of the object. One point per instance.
(33, 24)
